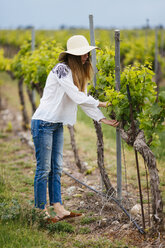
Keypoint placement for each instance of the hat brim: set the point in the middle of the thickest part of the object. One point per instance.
(77, 51)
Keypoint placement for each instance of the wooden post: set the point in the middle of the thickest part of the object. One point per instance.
(92, 40)
(31, 92)
(33, 38)
(156, 50)
(74, 148)
(33, 48)
(162, 42)
(100, 144)
(93, 54)
(118, 138)
(156, 60)
(25, 119)
(146, 34)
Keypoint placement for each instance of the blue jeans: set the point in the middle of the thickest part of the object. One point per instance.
(48, 142)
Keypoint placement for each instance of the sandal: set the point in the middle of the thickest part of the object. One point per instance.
(48, 218)
(45, 214)
(52, 219)
(71, 215)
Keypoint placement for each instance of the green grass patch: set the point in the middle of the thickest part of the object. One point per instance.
(90, 194)
(28, 181)
(84, 230)
(3, 135)
(87, 220)
(67, 198)
(61, 227)
(9, 210)
(99, 243)
(15, 234)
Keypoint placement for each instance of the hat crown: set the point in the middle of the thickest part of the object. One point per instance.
(77, 41)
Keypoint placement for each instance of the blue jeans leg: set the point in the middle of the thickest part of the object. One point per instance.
(54, 181)
(48, 141)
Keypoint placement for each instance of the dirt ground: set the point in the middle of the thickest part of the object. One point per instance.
(104, 217)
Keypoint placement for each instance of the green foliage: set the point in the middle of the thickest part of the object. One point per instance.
(14, 37)
(152, 118)
(34, 66)
(4, 62)
(43, 59)
(148, 113)
(17, 62)
(137, 50)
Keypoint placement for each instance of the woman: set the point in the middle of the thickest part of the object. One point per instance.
(64, 90)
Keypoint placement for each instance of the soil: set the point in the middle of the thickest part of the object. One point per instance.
(106, 219)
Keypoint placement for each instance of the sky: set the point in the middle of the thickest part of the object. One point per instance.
(52, 14)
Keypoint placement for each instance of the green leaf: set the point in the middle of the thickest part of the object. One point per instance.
(155, 109)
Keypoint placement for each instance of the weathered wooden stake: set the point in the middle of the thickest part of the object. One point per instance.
(33, 48)
(118, 138)
(92, 40)
(74, 148)
(162, 43)
(146, 34)
(25, 119)
(156, 60)
(100, 143)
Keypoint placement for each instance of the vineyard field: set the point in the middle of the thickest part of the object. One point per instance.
(23, 71)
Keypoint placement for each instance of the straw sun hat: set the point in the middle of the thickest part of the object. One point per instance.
(77, 45)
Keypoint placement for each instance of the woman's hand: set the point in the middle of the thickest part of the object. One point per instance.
(112, 123)
(104, 104)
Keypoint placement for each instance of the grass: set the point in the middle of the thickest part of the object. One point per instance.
(61, 227)
(22, 226)
(84, 230)
(16, 235)
(86, 220)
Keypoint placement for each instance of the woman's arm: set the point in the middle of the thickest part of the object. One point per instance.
(112, 123)
(88, 103)
(104, 104)
(64, 78)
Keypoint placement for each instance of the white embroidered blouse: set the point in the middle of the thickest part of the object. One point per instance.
(61, 97)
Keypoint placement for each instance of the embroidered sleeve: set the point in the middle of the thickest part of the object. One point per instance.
(64, 77)
(61, 70)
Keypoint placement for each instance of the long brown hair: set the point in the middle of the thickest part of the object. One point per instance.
(82, 73)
